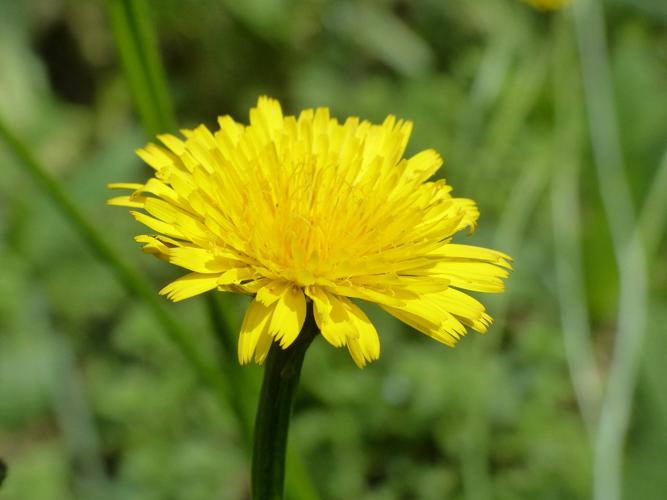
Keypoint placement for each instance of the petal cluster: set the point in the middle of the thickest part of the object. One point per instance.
(304, 209)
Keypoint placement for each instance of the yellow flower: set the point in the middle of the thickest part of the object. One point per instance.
(306, 209)
(548, 4)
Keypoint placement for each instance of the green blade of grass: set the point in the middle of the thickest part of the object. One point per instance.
(628, 248)
(134, 67)
(653, 215)
(145, 43)
(138, 50)
(131, 280)
(566, 227)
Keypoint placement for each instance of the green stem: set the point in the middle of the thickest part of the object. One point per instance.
(281, 377)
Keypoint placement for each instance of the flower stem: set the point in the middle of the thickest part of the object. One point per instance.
(281, 377)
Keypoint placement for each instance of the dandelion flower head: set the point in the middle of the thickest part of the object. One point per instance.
(292, 210)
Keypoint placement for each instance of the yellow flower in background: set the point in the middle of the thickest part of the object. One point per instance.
(297, 209)
(548, 4)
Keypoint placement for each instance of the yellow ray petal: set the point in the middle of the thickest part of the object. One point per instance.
(255, 325)
(471, 275)
(272, 292)
(236, 275)
(173, 143)
(470, 213)
(469, 252)
(365, 347)
(429, 314)
(190, 285)
(370, 294)
(196, 259)
(267, 115)
(466, 309)
(161, 210)
(420, 323)
(155, 156)
(157, 225)
(288, 316)
(126, 201)
(422, 166)
(250, 287)
(125, 185)
(331, 316)
(153, 246)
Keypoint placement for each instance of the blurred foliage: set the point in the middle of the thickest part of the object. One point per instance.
(96, 404)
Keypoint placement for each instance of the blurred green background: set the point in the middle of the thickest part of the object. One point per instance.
(555, 122)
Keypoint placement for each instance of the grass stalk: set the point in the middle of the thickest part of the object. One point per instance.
(653, 216)
(566, 222)
(128, 277)
(139, 56)
(628, 249)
